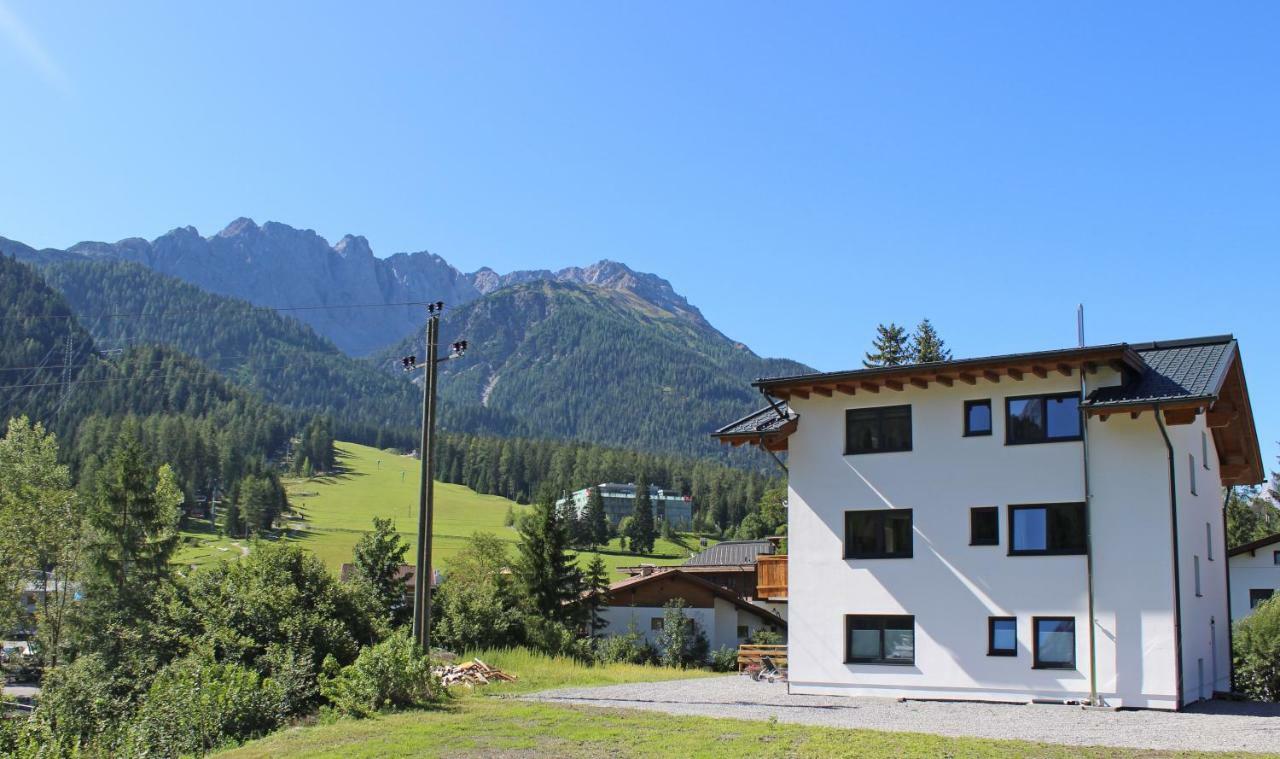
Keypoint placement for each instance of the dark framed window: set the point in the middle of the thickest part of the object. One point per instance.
(655, 623)
(877, 534)
(880, 639)
(1053, 642)
(1275, 558)
(1002, 636)
(1047, 529)
(1259, 595)
(743, 632)
(977, 418)
(877, 430)
(984, 526)
(1041, 418)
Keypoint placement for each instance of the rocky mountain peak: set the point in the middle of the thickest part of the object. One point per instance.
(238, 227)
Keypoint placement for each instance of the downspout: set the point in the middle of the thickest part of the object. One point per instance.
(1177, 574)
(1088, 555)
(1226, 565)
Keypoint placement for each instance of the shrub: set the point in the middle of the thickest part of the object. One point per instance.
(80, 708)
(766, 638)
(554, 638)
(724, 659)
(393, 674)
(195, 705)
(1256, 640)
(682, 642)
(628, 648)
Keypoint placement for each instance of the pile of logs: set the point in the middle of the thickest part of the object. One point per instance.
(472, 673)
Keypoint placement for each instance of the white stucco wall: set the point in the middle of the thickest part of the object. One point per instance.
(952, 588)
(720, 623)
(1248, 571)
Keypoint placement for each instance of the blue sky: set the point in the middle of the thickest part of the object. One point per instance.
(800, 172)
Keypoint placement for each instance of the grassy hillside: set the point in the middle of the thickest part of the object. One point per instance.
(333, 511)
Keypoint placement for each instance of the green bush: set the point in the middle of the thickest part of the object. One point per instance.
(766, 638)
(1256, 640)
(682, 642)
(393, 674)
(79, 708)
(195, 705)
(724, 659)
(628, 648)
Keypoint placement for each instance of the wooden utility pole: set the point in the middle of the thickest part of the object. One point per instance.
(426, 492)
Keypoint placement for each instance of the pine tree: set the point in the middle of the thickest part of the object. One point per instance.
(378, 556)
(889, 348)
(597, 520)
(642, 527)
(595, 586)
(545, 570)
(927, 346)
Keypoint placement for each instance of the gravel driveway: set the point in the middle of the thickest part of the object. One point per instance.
(1216, 726)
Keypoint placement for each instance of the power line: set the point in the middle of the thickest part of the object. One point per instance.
(146, 315)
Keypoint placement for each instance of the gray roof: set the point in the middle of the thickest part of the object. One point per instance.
(731, 553)
(758, 422)
(1175, 370)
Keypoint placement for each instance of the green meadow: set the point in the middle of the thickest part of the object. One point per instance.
(331, 512)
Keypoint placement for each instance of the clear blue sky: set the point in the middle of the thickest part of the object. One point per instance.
(800, 172)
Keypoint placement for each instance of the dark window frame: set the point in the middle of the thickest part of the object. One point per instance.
(1044, 398)
(995, 535)
(1084, 546)
(879, 413)
(911, 541)
(1035, 643)
(991, 637)
(991, 418)
(1275, 558)
(1255, 597)
(884, 620)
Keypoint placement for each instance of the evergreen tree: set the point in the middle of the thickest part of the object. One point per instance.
(642, 529)
(597, 519)
(378, 556)
(595, 586)
(889, 348)
(133, 532)
(927, 345)
(545, 570)
(1250, 516)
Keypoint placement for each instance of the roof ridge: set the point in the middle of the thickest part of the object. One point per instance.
(1182, 342)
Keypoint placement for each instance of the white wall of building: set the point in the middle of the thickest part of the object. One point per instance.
(952, 588)
(1248, 571)
(720, 623)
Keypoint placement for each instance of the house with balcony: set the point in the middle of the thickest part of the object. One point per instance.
(751, 569)
(1037, 526)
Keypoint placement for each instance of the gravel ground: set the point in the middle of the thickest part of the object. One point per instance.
(1215, 726)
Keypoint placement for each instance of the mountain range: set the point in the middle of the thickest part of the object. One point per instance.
(599, 353)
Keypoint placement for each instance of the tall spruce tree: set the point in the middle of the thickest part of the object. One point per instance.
(889, 347)
(927, 345)
(597, 520)
(643, 533)
(545, 570)
(595, 585)
(378, 556)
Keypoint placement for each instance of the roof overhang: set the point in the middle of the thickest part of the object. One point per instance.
(1252, 548)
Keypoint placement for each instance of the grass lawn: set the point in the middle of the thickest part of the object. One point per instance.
(484, 723)
(333, 511)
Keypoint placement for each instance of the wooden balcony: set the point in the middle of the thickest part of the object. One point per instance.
(771, 577)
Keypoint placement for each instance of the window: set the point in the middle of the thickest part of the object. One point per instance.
(1042, 418)
(880, 639)
(1259, 595)
(1054, 644)
(1002, 636)
(1055, 528)
(743, 632)
(984, 526)
(879, 534)
(977, 418)
(877, 430)
(655, 623)
(1196, 560)
(1208, 540)
(1191, 469)
(1275, 558)
(1204, 449)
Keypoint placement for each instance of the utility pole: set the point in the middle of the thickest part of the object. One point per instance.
(423, 571)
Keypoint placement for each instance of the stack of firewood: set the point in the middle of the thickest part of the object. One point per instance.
(472, 673)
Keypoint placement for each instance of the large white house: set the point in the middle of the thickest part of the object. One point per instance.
(1038, 526)
(1255, 574)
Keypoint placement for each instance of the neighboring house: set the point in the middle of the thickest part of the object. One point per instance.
(724, 616)
(736, 565)
(620, 502)
(35, 587)
(1041, 525)
(1255, 574)
(407, 572)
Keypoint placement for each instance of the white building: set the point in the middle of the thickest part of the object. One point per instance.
(972, 529)
(725, 617)
(1255, 574)
(620, 502)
